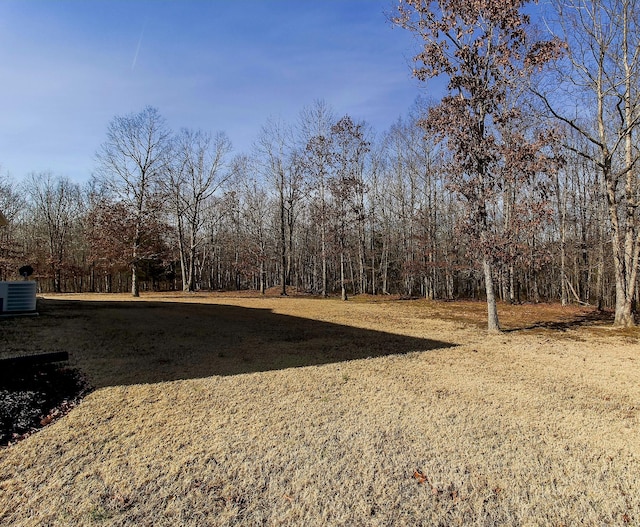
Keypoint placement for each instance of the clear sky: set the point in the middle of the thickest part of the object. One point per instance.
(67, 67)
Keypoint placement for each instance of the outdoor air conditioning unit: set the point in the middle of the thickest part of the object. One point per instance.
(17, 297)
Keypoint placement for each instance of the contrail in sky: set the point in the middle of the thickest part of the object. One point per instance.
(135, 57)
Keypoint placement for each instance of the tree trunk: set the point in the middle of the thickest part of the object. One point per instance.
(562, 217)
(290, 252)
(384, 267)
(625, 277)
(57, 286)
(283, 242)
(191, 269)
(263, 275)
(512, 284)
(624, 314)
(601, 249)
(362, 264)
(343, 288)
(626, 250)
(352, 275)
(191, 258)
(323, 256)
(182, 253)
(373, 273)
(492, 307)
(135, 286)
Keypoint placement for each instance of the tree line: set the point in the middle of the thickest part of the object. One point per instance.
(519, 184)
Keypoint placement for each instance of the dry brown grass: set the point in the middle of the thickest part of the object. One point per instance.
(232, 410)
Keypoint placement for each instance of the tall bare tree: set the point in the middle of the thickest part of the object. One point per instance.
(198, 171)
(315, 124)
(131, 163)
(55, 202)
(596, 93)
(281, 164)
(255, 209)
(11, 205)
(349, 148)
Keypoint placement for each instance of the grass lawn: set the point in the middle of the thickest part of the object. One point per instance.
(239, 410)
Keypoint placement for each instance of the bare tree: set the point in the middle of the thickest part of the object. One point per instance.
(595, 93)
(198, 172)
(315, 124)
(281, 164)
(131, 163)
(255, 208)
(11, 205)
(55, 202)
(413, 192)
(348, 150)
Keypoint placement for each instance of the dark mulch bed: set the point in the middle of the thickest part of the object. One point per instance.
(33, 396)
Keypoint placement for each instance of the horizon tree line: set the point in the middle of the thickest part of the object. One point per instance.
(497, 191)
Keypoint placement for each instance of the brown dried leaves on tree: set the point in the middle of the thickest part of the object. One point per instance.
(483, 49)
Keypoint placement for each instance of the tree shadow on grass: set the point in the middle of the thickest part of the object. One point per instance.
(121, 343)
(593, 318)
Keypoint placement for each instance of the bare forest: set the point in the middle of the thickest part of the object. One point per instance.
(239, 345)
(519, 184)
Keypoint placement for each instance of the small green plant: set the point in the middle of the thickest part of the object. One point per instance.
(98, 514)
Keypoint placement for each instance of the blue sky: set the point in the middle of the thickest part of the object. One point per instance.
(68, 67)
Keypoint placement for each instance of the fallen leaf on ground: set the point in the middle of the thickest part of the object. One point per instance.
(417, 474)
